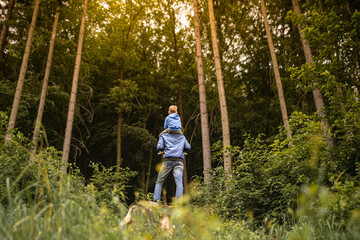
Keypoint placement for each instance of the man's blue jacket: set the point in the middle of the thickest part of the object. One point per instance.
(173, 145)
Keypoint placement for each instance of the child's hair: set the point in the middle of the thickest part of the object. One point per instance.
(173, 109)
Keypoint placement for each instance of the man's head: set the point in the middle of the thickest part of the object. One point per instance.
(172, 109)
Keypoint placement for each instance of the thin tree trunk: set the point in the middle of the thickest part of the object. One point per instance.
(319, 101)
(5, 28)
(177, 65)
(221, 90)
(202, 96)
(149, 171)
(46, 80)
(118, 139)
(71, 111)
(118, 143)
(24, 64)
(122, 68)
(143, 177)
(276, 72)
(178, 76)
(125, 36)
(348, 9)
(320, 5)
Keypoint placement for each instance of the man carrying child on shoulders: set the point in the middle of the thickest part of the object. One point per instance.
(173, 144)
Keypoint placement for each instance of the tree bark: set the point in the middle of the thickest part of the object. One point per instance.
(118, 139)
(177, 65)
(221, 90)
(45, 81)
(178, 76)
(202, 96)
(318, 99)
(71, 111)
(276, 72)
(126, 36)
(24, 64)
(5, 28)
(118, 143)
(148, 171)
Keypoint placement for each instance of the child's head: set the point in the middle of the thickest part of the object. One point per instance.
(172, 109)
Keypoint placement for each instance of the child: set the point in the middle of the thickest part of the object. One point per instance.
(172, 122)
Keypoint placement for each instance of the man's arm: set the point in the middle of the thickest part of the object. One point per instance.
(160, 145)
(187, 146)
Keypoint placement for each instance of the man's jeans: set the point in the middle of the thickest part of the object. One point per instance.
(178, 168)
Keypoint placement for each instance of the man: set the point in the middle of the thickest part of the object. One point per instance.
(173, 144)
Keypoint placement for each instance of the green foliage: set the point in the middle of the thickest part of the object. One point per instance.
(110, 184)
(17, 173)
(297, 185)
(324, 213)
(124, 94)
(266, 179)
(347, 133)
(3, 124)
(344, 203)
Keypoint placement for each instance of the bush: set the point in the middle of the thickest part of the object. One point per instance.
(110, 184)
(266, 179)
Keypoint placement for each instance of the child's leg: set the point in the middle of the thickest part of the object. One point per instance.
(165, 131)
(176, 132)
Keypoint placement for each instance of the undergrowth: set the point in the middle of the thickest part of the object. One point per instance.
(275, 192)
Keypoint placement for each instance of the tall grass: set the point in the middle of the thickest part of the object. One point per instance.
(74, 213)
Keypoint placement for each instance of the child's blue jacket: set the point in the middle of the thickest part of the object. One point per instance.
(172, 122)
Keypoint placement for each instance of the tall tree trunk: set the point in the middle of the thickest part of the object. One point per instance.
(118, 143)
(126, 36)
(46, 80)
(320, 5)
(5, 28)
(71, 111)
(151, 155)
(221, 90)
(118, 139)
(148, 171)
(177, 65)
(347, 7)
(178, 76)
(24, 64)
(276, 72)
(319, 102)
(202, 96)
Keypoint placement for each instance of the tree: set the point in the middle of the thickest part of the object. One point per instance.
(131, 15)
(46, 80)
(172, 26)
(71, 111)
(319, 102)
(5, 28)
(178, 75)
(202, 96)
(24, 64)
(221, 90)
(276, 72)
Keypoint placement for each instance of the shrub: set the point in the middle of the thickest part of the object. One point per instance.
(110, 184)
(266, 179)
